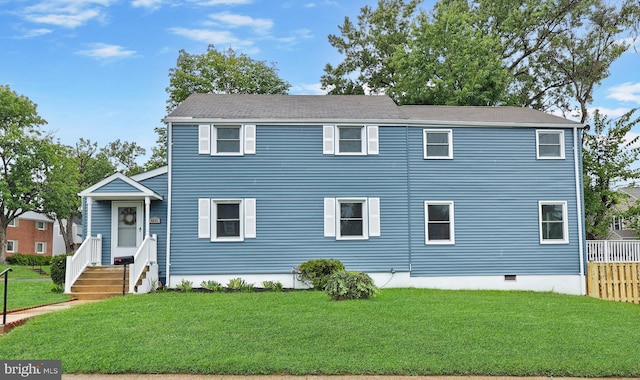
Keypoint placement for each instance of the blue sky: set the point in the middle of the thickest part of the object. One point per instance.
(98, 69)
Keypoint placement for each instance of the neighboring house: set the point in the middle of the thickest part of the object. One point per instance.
(59, 248)
(622, 229)
(30, 233)
(421, 196)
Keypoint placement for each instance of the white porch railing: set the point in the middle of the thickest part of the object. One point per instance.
(147, 254)
(613, 251)
(89, 253)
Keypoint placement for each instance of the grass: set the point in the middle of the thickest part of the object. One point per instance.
(401, 331)
(27, 288)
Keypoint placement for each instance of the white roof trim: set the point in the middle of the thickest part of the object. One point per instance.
(144, 191)
(150, 174)
(381, 122)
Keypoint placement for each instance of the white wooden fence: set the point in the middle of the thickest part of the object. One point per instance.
(613, 251)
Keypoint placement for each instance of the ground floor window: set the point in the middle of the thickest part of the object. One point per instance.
(439, 222)
(12, 246)
(41, 248)
(553, 222)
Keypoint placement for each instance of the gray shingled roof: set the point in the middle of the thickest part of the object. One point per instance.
(287, 107)
(346, 107)
(482, 114)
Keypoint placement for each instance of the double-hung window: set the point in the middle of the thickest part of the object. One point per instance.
(350, 140)
(439, 222)
(351, 218)
(12, 246)
(226, 140)
(13, 223)
(40, 225)
(41, 248)
(438, 143)
(550, 144)
(553, 222)
(227, 219)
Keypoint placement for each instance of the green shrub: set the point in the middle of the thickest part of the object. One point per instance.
(185, 286)
(55, 288)
(58, 268)
(28, 259)
(350, 285)
(237, 284)
(315, 273)
(213, 286)
(274, 286)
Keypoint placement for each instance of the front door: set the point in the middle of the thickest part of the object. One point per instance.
(126, 228)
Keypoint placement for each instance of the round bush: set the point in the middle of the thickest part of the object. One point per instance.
(315, 273)
(350, 286)
(59, 268)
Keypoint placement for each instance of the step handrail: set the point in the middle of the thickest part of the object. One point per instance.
(90, 252)
(5, 273)
(147, 254)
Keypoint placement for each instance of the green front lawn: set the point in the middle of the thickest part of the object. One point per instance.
(27, 288)
(401, 331)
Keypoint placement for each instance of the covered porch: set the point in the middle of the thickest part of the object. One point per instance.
(116, 224)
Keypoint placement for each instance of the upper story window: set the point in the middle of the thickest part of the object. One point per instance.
(438, 143)
(351, 218)
(226, 140)
(40, 225)
(13, 222)
(617, 223)
(550, 144)
(553, 222)
(350, 140)
(12, 246)
(227, 219)
(439, 223)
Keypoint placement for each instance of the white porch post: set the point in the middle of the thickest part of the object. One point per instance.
(147, 207)
(88, 217)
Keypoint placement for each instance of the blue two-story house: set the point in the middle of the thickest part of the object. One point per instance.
(416, 196)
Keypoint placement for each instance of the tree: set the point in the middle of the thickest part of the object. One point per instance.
(217, 72)
(81, 166)
(27, 160)
(544, 54)
(122, 155)
(368, 48)
(608, 156)
(214, 72)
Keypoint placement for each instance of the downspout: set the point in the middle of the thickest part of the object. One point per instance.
(579, 211)
(169, 171)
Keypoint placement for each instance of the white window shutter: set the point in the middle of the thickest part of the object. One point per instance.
(249, 139)
(204, 139)
(204, 213)
(374, 216)
(327, 139)
(329, 217)
(250, 218)
(372, 139)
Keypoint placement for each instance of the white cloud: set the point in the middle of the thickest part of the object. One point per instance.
(307, 89)
(32, 33)
(66, 13)
(207, 3)
(149, 4)
(261, 25)
(219, 38)
(612, 113)
(310, 5)
(298, 35)
(626, 92)
(106, 52)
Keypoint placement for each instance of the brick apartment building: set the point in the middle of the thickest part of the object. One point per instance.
(31, 233)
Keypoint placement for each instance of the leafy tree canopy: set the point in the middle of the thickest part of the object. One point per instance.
(545, 54)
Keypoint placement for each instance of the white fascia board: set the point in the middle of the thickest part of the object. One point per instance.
(143, 189)
(380, 122)
(150, 174)
(123, 196)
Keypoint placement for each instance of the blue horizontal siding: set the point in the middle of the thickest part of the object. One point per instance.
(160, 185)
(289, 179)
(495, 182)
(117, 186)
(494, 179)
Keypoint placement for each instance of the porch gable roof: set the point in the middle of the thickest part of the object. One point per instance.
(119, 187)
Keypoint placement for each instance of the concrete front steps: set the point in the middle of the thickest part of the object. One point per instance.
(101, 282)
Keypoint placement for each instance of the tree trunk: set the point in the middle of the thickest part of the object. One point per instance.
(66, 230)
(3, 243)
